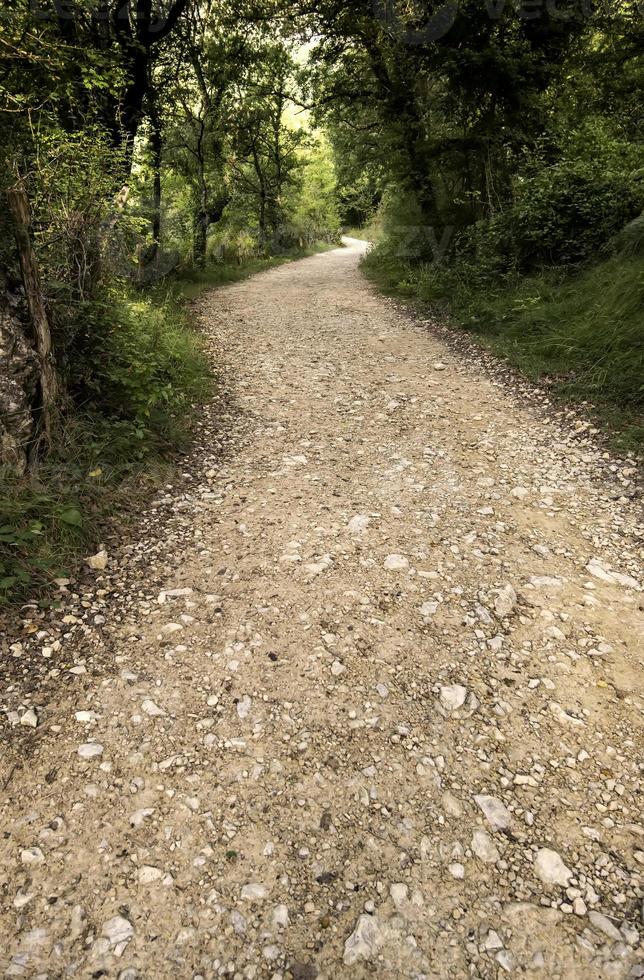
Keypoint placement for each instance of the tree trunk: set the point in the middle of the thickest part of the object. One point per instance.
(156, 146)
(199, 238)
(49, 387)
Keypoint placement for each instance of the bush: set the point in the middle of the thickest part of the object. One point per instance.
(138, 368)
(563, 215)
(141, 361)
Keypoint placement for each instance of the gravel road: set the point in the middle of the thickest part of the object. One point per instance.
(362, 697)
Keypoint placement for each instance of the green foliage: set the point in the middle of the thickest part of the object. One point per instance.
(562, 216)
(142, 362)
(144, 373)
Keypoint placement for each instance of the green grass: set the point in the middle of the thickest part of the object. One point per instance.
(582, 334)
(370, 233)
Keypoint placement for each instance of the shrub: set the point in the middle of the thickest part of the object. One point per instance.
(141, 362)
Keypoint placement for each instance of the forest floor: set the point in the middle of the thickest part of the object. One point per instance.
(363, 696)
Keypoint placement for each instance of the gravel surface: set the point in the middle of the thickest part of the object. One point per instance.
(361, 699)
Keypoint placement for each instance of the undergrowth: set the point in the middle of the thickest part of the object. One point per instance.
(127, 420)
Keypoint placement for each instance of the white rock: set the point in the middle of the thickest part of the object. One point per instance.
(554, 633)
(452, 804)
(169, 628)
(172, 594)
(358, 524)
(496, 813)
(238, 921)
(313, 569)
(280, 917)
(29, 718)
(98, 561)
(452, 696)
(630, 933)
(138, 818)
(604, 925)
(428, 609)
(22, 899)
(551, 869)
(151, 708)
(243, 707)
(32, 855)
(505, 601)
(398, 892)
(484, 847)
(85, 716)
(396, 563)
(90, 750)
(519, 492)
(439, 366)
(546, 582)
(337, 668)
(118, 932)
(493, 940)
(254, 891)
(456, 869)
(365, 940)
(505, 960)
(563, 717)
(596, 568)
(148, 874)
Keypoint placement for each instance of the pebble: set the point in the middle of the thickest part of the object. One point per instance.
(254, 892)
(396, 563)
(29, 718)
(149, 874)
(398, 892)
(505, 601)
(453, 696)
(484, 847)
(280, 917)
(550, 868)
(358, 524)
(152, 709)
(118, 931)
(496, 813)
(32, 855)
(98, 562)
(604, 925)
(243, 707)
(90, 750)
(365, 940)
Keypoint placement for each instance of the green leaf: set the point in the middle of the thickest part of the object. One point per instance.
(71, 516)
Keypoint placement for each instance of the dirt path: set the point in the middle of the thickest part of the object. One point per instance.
(390, 723)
